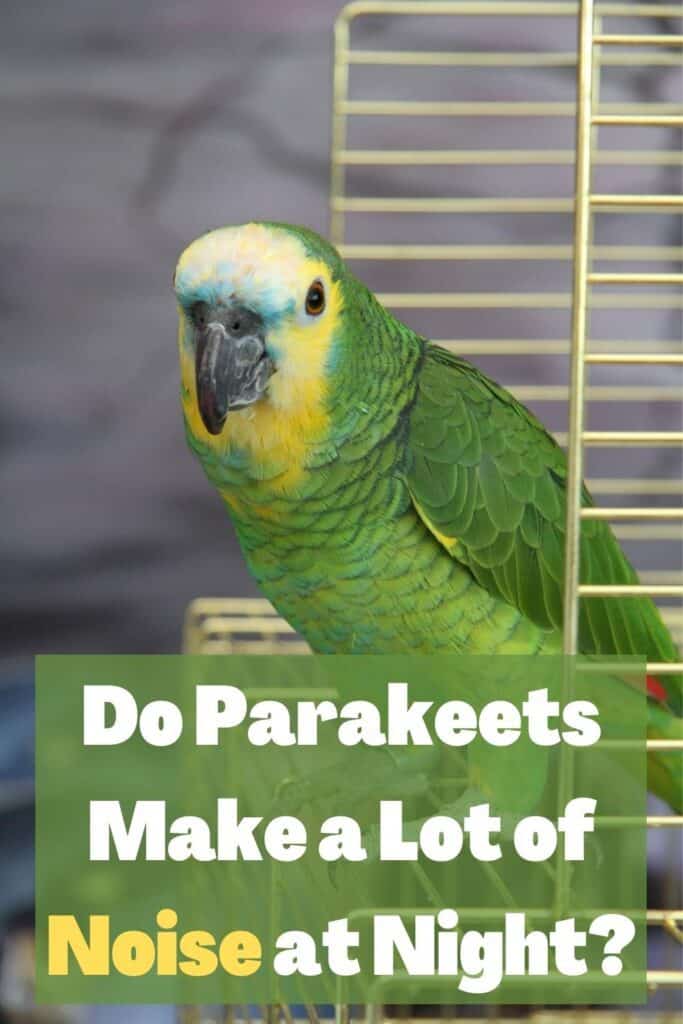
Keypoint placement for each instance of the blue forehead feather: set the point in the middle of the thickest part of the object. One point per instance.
(219, 291)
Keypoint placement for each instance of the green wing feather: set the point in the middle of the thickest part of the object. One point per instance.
(489, 482)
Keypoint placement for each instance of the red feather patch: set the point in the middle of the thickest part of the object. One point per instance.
(655, 689)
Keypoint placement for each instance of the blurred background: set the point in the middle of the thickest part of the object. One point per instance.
(128, 130)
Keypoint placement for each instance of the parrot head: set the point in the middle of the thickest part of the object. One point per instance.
(260, 307)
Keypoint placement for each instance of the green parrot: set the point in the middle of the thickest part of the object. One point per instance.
(388, 497)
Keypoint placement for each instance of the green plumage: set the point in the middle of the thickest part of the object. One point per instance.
(509, 506)
(431, 517)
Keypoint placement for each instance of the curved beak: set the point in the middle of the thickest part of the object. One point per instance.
(231, 366)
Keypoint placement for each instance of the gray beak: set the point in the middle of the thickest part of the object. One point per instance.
(231, 365)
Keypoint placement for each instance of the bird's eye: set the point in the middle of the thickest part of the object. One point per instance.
(315, 299)
(199, 313)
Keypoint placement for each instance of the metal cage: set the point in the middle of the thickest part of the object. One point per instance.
(563, 262)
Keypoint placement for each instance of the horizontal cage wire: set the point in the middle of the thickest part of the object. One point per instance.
(412, 218)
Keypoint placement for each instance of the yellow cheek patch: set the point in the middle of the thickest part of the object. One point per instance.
(279, 430)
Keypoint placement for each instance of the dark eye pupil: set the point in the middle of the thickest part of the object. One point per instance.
(315, 300)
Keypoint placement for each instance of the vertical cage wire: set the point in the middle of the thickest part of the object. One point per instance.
(588, 119)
